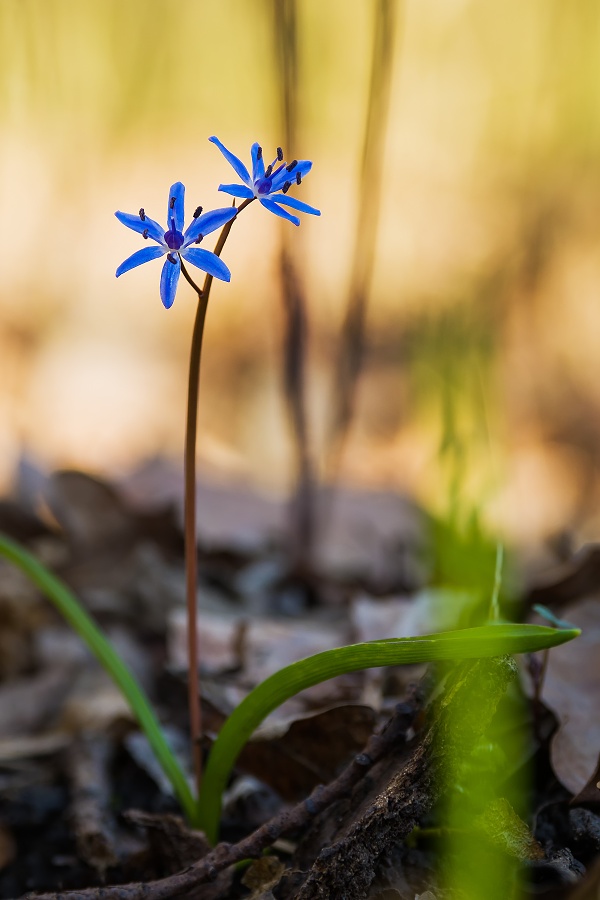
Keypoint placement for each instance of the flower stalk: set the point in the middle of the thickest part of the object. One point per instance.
(191, 555)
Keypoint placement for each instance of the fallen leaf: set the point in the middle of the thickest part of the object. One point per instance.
(571, 689)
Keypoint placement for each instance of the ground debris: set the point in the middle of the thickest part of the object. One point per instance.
(372, 805)
(90, 800)
(355, 838)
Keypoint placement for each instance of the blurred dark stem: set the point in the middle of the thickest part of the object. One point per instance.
(191, 558)
(352, 343)
(294, 304)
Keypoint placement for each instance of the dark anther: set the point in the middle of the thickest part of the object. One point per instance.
(145, 234)
(268, 172)
(172, 203)
(286, 187)
(197, 211)
(199, 239)
(310, 806)
(142, 214)
(292, 165)
(259, 153)
(363, 759)
(280, 154)
(298, 177)
(171, 258)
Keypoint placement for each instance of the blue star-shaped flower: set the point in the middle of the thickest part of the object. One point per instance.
(177, 243)
(270, 185)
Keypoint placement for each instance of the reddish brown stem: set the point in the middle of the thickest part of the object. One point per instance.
(191, 559)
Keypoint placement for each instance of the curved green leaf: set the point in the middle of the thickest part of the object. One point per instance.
(470, 643)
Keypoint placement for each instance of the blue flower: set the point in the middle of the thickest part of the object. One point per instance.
(176, 243)
(270, 185)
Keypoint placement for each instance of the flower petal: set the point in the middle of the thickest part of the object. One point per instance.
(237, 164)
(208, 262)
(237, 190)
(140, 225)
(286, 200)
(208, 222)
(138, 258)
(175, 208)
(274, 208)
(168, 281)
(258, 165)
(304, 166)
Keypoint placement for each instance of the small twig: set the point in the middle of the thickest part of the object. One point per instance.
(295, 343)
(90, 796)
(350, 357)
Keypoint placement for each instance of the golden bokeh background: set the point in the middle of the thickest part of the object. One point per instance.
(481, 377)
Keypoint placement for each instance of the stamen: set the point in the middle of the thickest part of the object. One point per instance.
(292, 165)
(269, 171)
(197, 212)
(145, 234)
(199, 239)
(259, 153)
(280, 154)
(298, 177)
(142, 214)
(286, 187)
(172, 203)
(171, 258)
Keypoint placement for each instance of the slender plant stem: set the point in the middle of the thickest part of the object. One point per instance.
(191, 558)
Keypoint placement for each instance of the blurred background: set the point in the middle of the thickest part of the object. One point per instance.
(435, 331)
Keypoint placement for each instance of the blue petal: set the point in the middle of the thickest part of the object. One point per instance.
(138, 258)
(237, 164)
(168, 281)
(175, 207)
(295, 204)
(140, 225)
(304, 166)
(208, 262)
(208, 222)
(258, 165)
(274, 208)
(237, 190)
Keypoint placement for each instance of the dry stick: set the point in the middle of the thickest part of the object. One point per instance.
(191, 560)
(352, 344)
(285, 27)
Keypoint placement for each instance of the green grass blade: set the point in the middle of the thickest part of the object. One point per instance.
(68, 605)
(471, 643)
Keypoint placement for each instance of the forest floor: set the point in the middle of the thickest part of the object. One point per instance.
(343, 792)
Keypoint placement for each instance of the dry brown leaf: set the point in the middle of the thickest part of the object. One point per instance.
(571, 689)
(309, 750)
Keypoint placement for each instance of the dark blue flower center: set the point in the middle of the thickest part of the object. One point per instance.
(263, 185)
(173, 238)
